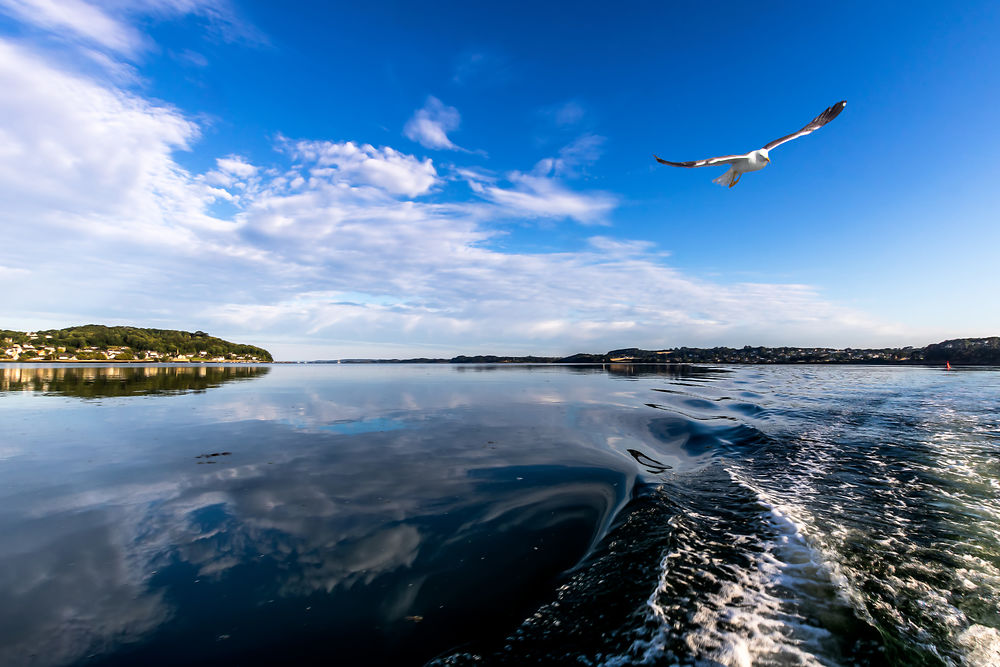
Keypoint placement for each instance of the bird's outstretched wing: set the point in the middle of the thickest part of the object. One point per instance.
(724, 159)
(819, 121)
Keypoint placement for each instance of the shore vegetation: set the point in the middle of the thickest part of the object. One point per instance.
(97, 342)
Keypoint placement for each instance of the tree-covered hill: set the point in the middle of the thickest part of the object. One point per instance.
(164, 341)
(965, 351)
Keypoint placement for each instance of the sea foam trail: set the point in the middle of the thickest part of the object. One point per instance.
(695, 572)
(890, 494)
(740, 587)
(878, 594)
(897, 490)
(841, 518)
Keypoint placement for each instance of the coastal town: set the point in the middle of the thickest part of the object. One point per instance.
(40, 347)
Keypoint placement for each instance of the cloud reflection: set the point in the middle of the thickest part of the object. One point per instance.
(69, 587)
(424, 493)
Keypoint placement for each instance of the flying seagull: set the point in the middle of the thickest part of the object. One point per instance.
(758, 159)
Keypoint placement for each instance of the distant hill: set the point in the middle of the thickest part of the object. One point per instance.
(977, 351)
(963, 351)
(96, 341)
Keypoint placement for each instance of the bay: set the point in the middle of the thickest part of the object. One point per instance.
(507, 514)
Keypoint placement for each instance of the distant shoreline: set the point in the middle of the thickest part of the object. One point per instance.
(199, 348)
(963, 351)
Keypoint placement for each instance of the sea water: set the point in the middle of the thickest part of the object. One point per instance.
(459, 515)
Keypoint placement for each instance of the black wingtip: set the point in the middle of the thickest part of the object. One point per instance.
(833, 111)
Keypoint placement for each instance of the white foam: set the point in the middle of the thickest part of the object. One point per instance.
(978, 645)
(748, 620)
(946, 482)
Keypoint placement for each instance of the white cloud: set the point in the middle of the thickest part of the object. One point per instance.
(98, 206)
(106, 25)
(348, 163)
(13, 272)
(430, 125)
(220, 17)
(477, 300)
(582, 151)
(69, 147)
(232, 178)
(237, 166)
(542, 197)
(344, 242)
(612, 246)
(543, 193)
(190, 57)
(82, 19)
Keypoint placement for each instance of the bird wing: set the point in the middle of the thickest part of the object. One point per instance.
(708, 162)
(819, 121)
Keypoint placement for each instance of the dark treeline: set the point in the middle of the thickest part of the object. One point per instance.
(164, 341)
(965, 351)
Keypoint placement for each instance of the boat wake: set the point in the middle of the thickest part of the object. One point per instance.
(852, 527)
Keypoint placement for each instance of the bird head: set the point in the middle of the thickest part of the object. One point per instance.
(763, 155)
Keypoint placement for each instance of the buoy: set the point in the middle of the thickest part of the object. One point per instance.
(947, 365)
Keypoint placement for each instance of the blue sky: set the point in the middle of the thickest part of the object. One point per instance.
(402, 179)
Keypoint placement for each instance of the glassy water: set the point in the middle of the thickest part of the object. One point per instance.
(398, 514)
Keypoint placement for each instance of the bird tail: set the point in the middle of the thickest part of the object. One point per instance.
(727, 179)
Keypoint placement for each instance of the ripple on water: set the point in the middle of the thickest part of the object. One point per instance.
(758, 516)
(850, 519)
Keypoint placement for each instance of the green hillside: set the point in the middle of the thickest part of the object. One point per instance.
(138, 340)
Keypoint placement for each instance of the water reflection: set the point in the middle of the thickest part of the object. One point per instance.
(615, 369)
(379, 515)
(109, 381)
(324, 549)
(69, 585)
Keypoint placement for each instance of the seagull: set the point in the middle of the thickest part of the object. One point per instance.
(758, 159)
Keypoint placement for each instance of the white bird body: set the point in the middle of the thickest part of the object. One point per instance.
(758, 159)
(752, 161)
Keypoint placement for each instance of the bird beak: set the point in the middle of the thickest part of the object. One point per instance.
(767, 159)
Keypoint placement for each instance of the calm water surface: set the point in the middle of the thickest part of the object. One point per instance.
(459, 515)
